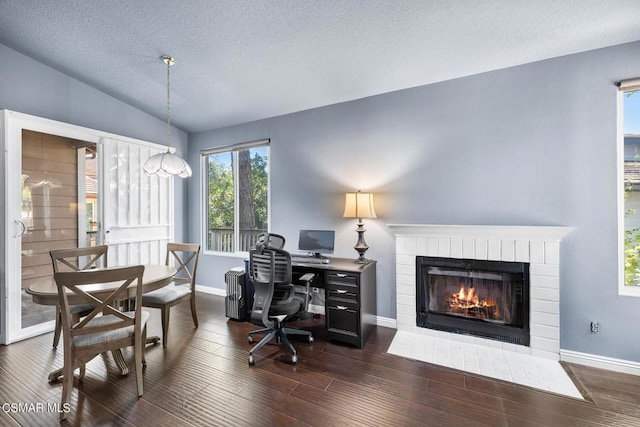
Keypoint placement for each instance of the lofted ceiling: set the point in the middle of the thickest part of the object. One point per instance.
(244, 60)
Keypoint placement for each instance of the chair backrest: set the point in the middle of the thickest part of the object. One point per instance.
(83, 285)
(184, 257)
(270, 269)
(69, 258)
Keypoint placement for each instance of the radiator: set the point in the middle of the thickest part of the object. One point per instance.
(235, 303)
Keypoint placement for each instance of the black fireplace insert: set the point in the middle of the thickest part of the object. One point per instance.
(489, 299)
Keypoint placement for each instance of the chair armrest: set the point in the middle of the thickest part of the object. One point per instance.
(307, 279)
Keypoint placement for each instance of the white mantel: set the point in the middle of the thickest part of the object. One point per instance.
(537, 245)
(515, 232)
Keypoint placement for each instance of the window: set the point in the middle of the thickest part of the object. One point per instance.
(236, 196)
(630, 188)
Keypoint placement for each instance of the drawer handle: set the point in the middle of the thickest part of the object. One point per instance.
(341, 307)
(341, 275)
(341, 291)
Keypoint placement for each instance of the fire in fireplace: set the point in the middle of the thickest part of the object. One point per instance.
(474, 297)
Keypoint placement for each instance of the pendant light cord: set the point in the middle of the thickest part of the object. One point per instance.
(169, 62)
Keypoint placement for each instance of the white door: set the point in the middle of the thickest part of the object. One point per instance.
(137, 208)
(134, 211)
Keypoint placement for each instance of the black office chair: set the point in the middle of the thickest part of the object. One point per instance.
(275, 300)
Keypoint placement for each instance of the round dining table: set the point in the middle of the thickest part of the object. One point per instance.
(44, 291)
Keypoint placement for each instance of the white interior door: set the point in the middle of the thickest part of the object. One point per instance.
(137, 209)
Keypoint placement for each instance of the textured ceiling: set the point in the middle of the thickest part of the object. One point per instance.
(243, 60)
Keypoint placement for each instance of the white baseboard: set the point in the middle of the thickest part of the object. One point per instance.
(211, 290)
(316, 309)
(602, 362)
(386, 322)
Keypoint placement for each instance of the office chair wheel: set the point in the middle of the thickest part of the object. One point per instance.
(294, 359)
(252, 361)
(250, 339)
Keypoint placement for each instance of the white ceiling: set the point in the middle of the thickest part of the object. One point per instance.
(244, 60)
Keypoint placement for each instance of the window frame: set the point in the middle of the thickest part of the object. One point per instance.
(623, 86)
(236, 200)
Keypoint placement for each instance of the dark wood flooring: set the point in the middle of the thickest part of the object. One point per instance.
(202, 378)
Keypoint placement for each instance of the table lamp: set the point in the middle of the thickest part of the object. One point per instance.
(359, 205)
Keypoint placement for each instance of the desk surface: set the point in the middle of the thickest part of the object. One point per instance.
(45, 291)
(338, 264)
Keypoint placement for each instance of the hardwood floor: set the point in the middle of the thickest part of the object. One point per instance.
(202, 378)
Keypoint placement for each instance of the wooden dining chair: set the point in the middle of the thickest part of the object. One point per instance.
(105, 327)
(183, 287)
(69, 260)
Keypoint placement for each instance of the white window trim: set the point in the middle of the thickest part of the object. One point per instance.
(622, 288)
(204, 195)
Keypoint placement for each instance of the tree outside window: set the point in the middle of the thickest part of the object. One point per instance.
(237, 195)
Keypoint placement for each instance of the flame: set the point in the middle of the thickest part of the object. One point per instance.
(469, 297)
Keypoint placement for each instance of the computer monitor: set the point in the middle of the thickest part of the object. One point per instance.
(316, 241)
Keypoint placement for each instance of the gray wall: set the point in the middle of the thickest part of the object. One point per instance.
(528, 145)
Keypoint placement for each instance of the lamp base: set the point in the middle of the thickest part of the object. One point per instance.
(361, 245)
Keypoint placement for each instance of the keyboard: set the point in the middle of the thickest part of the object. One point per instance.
(309, 260)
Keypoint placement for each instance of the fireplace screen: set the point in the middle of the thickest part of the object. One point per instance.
(472, 294)
(484, 298)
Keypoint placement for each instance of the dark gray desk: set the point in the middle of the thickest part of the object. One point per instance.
(350, 296)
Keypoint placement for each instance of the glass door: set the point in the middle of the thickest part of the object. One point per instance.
(55, 190)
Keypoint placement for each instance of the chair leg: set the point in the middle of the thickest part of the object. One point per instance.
(260, 331)
(193, 311)
(67, 385)
(144, 345)
(291, 331)
(58, 329)
(264, 341)
(138, 355)
(286, 341)
(165, 324)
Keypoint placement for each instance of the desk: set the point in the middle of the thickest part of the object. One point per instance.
(350, 296)
(44, 291)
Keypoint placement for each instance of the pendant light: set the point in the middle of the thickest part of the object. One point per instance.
(167, 164)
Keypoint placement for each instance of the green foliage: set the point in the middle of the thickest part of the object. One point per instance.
(632, 257)
(221, 190)
(631, 247)
(220, 196)
(260, 186)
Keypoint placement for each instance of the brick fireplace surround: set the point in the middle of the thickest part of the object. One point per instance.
(537, 245)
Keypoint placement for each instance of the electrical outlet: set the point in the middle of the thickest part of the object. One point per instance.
(595, 327)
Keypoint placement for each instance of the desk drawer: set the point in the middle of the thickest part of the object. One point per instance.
(343, 285)
(339, 295)
(343, 319)
(342, 279)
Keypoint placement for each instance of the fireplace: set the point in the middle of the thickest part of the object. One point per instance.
(537, 246)
(488, 299)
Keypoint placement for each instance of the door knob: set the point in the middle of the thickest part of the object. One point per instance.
(23, 228)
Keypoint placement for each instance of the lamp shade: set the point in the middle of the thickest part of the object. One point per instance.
(167, 164)
(359, 205)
